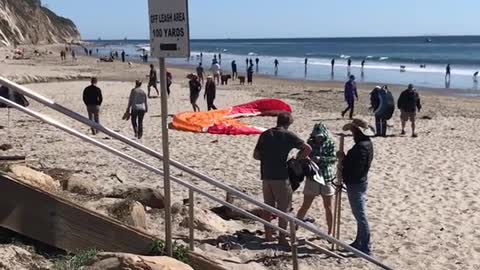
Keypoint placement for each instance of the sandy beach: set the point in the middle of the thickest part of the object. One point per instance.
(423, 192)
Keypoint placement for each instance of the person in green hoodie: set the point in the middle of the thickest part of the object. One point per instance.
(324, 155)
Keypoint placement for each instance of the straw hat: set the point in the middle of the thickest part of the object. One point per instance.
(362, 125)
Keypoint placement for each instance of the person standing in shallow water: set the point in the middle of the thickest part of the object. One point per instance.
(333, 64)
(137, 108)
(351, 94)
(447, 73)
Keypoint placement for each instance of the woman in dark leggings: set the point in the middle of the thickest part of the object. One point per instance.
(137, 107)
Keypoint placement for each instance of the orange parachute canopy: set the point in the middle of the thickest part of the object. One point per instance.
(223, 121)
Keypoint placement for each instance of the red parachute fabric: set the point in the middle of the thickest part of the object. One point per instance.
(223, 121)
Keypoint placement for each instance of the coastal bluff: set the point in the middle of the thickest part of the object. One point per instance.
(28, 22)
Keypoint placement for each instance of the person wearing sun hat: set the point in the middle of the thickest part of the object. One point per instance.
(355, 167)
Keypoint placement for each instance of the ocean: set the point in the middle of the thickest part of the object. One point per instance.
(424, 58)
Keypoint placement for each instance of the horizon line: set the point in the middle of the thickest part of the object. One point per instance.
(258, 38)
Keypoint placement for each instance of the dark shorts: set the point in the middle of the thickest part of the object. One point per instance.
(405, 116)
(193, 98)
(152, 83)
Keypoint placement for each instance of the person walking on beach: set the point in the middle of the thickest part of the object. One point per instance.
(475, 75)
(257, 61)
(234, 70)
(349, 63)
(195, 88)
(251, 62)
(306, 62)
(355, 167)
(350, 96)
(323, 154)
(276, 64)
(137, 108)
(409, 103)
(216, 71)
(246, 63)
(333, 64)
(123, 56)
(220, 58)
(363, 64)
(272, 150)
(92, 97)
(210, 93)
(250, 75)
(152, 81)
(447, 73)
(200, 72)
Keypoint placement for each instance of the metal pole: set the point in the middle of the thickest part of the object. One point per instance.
(338, 197)
(294, 244)
(166, 158)
(191, 205)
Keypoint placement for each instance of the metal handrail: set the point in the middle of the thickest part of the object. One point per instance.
(151, 168)
(59, 108)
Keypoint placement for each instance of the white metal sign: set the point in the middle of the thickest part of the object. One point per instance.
(169, 31)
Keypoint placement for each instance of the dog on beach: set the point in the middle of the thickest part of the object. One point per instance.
(242, 80)
(225, 78)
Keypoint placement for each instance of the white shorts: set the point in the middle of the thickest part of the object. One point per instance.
(314, 189)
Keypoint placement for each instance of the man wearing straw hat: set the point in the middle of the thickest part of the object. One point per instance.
(355, 167)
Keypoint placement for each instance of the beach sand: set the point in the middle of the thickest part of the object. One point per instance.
(423, 192)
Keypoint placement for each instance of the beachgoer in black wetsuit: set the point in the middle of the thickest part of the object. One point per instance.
(447, 72)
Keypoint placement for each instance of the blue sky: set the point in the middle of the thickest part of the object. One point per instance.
(116, 19)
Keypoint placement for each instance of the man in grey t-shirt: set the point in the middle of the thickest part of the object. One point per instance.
(272, 150)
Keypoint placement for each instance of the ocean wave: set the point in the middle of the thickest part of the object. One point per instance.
(252, 54)
(345, 56)
(383, 58)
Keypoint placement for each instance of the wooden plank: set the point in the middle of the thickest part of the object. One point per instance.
(60, 223)
(12, 158)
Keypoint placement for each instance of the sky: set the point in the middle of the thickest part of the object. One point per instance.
(117, 19)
